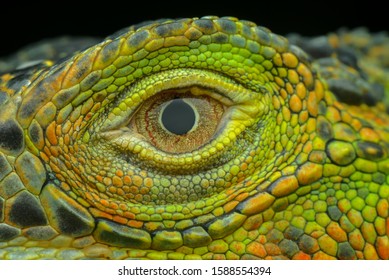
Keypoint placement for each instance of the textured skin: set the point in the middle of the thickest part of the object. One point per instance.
(292, 163)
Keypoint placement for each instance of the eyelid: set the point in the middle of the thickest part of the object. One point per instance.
(216, 85)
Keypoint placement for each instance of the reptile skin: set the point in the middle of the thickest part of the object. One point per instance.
(288, 157)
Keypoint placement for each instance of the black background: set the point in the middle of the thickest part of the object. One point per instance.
(21, 23)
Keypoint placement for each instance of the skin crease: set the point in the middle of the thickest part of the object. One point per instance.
(288, 157)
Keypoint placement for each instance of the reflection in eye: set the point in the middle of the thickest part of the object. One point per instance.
(177, 121)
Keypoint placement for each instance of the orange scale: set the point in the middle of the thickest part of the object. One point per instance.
(286, 114)
(77, 170)
(127, 180)
(241, 177)
(279, 82)
(138, 197)
(126, 189)
(322, 256)
(99, 178)
(382, 245)
(333, 115)
(303, 116)
(220, 257)
(101, 214)
(66, 139)
(289, 88)
(51, 135)
(110, 211)
(277, 60)
(120, 220)
(290, 60)
(58, 130)
(319, 89)
(112, 189)
(123, 207)
(283, 93)
(370, 252)
(380, 121)
(120, 192)
(144, 190)
(262, 239)
(129, 215)
(339, 106)
(301, 256)
(137, 180)
(295, 104)
(135, 224)
(285, 186)
(309, 173)
(117, 181)
(77, 124)
(248, 183)
(356, 124)
(359, 255)
(230, 191)
(242, 196)
(306, 74)
(65, 187)
(256, 249)
(243, 166)
(95, 197)
(148, 182)
(369, 134)
(301, 90)
(88, 196)
(104, 202)
(272, 249)
(316, 234)
(88, 116)
(228, 207)
(134, 189)
(336, 232)
(383, 210)
(44, 156)
(55, 168)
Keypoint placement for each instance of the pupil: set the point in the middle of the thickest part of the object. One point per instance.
(178, 117)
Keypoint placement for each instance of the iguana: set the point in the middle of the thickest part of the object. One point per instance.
(198, 138)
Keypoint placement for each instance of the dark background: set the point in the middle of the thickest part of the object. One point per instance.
(21, 23)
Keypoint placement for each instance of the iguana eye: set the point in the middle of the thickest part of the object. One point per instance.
(179, 121)
(176, 121)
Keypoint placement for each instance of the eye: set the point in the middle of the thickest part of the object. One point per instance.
(176, 121)
(180, 121)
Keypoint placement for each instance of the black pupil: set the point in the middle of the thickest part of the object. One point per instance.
(178, 117)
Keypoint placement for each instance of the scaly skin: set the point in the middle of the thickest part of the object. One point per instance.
(289, 158)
